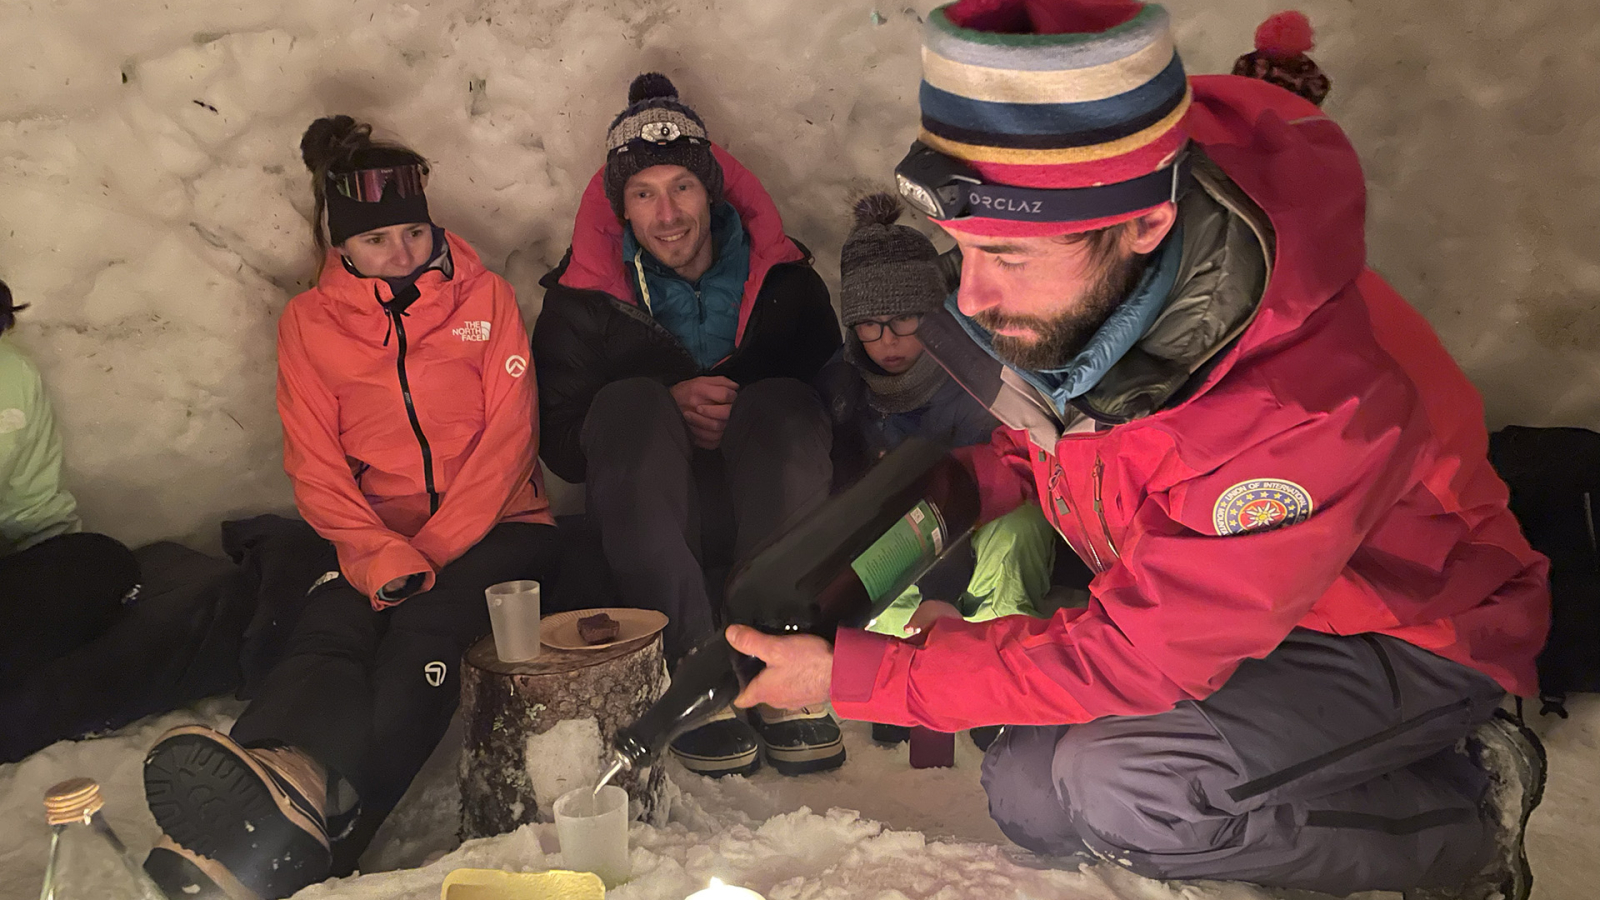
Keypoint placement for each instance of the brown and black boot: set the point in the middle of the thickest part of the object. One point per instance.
(254, 813)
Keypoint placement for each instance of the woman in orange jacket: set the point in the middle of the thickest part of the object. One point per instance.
(411, 439)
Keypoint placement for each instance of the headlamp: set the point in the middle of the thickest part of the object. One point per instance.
(945, 188)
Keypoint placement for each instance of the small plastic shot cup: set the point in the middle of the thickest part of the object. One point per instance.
(593, 828)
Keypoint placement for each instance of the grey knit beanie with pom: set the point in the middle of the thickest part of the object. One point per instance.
(886, 269)
(657, 130)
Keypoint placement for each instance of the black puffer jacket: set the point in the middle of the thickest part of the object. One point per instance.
(592, 331)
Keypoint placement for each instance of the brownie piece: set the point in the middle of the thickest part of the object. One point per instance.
(598, 629)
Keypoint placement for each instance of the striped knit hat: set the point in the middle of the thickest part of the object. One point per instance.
(1054, 94)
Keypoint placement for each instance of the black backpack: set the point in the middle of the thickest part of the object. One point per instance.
(1554, 477)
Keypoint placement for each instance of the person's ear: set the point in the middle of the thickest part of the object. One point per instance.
(1149, 230)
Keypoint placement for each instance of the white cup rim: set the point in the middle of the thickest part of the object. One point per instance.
(608, 802)
(512, 587)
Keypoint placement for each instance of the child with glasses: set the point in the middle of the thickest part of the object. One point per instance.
(882, 388)
(410, 438)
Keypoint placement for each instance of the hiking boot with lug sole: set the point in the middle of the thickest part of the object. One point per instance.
(800, 741)
(186, 874)
(726, 745)
(1513, 758)
(256, 813)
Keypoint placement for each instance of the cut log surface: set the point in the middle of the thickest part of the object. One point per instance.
(504, 704)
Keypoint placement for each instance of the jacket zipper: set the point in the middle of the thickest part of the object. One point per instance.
(1100, 507)
(411, 412)
(1099, 565)
(1059, 477)
(1061, 511)
(650, 319)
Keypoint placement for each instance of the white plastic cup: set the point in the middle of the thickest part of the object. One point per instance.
(593, 829)
(514, 616)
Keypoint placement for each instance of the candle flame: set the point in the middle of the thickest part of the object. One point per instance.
(715, 883)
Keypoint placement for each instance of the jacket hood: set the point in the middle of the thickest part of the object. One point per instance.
(1299, 168)
(596, 257)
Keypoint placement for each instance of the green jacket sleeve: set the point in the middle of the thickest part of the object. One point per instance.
(33, 504)
(1015, 554)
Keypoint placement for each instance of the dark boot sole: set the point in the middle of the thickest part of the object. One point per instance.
(721, 767)
(805, 762)
(210, 800)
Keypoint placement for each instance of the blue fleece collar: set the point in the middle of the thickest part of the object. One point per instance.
(729, 244)
(703, 315)
(1127, 324)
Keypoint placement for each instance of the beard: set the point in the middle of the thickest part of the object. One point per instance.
(1058, 339)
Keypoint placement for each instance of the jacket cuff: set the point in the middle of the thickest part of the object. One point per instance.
(399, 560)
(858, 659)
(412, 584)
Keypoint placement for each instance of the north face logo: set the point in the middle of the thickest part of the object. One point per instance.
(472, 331)
(434, 672)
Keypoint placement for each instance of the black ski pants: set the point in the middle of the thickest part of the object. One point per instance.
(57, 596)
(646, 482)
(368, 693)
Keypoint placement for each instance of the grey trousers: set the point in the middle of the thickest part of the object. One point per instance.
(642, 489)
(1330, 765)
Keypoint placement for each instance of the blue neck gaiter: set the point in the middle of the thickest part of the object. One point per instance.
(1126, 325)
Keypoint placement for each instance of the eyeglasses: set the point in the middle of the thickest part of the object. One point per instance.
(368, 185)
(902, 326)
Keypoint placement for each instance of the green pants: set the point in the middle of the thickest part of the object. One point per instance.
(1015, 554)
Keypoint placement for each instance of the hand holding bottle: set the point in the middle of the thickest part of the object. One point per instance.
(798, 672)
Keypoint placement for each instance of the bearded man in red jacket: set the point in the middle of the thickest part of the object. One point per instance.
(1310, 598)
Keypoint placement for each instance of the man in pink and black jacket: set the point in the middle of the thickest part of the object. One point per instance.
(675, 352)
(1310, 596)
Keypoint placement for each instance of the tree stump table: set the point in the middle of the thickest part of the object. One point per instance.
(538, 728)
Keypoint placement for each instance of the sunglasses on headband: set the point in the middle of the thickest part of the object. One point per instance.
(368, 185)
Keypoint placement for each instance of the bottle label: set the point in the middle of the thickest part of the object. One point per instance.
(916, 538)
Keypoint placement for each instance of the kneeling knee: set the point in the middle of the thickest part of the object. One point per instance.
(1125, 801)
(1023, 799)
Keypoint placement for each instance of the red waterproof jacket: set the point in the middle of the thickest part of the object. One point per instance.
(408, 437)
(1328, 472)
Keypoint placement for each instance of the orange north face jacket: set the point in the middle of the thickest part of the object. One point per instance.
(409, 434)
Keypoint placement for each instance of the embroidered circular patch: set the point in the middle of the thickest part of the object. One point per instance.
(1260, 505)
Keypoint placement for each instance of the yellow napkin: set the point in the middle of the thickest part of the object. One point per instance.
(493, 884)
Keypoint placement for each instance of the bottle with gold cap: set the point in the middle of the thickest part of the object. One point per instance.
(87, 860)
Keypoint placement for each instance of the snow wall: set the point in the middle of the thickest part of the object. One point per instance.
(153, 207)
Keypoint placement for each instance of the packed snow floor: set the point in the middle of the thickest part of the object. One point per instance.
(874, 830)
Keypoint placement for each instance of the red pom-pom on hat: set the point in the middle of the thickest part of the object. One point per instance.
(1285, 35)
(1042, 16)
